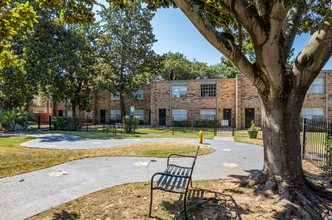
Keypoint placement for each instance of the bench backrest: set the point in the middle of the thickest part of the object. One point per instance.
(194, 162)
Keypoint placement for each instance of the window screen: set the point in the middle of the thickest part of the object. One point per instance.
(69, 113)
(139, 94)
(313, 113)
(317, 86)
(140, 113)
(179, 91)
(115, 97)
(116, 114)
(208, 90)
(179, 114)
(209, 114)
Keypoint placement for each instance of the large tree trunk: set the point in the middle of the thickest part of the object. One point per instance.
(281, 137)
(282, 172)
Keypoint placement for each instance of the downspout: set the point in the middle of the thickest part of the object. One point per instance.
(327, 98)
(217, 98)
(109, 110)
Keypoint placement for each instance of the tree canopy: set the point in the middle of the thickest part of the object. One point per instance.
(16, 14)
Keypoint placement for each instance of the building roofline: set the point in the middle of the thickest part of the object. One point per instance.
(192, 80)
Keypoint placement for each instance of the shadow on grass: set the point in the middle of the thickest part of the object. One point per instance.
(204, 203)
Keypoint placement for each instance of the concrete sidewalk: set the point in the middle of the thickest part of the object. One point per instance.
(41, 190)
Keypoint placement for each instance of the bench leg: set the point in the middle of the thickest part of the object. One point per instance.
(150, 203)
(185, 206)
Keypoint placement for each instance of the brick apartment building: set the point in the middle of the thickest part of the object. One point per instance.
(224, 99)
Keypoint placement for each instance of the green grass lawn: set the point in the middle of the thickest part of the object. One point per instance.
(315, 141)
(15, 159)
(97, 133)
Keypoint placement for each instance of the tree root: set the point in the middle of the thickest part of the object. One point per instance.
(296, 196)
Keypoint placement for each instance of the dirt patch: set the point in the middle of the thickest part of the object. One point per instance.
(208, 199)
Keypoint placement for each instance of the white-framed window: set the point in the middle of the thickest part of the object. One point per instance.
(313, 113)
(208, 90)
(317, 85)
(209, 114)
(115, 97)
(140, 113)
(115, 114)
(139, 94)
(69, 113)
(179, 114)
(179, 91)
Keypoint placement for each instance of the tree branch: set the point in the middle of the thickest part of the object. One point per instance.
(316, 53)
(224, 43)
(248, 18)
(261, 7)
(291, 24)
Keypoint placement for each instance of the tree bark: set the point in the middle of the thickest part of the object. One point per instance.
(281, 137)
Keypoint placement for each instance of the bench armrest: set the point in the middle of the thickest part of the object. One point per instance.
(180, 155)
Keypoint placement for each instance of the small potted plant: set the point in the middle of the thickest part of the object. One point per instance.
(253, 131)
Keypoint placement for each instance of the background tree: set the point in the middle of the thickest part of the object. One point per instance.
(17, 14)
(65, 58)
(185, 69)
(125, 56)
(271, 27)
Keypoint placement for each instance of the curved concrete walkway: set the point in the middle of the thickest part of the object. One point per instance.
(41, 190)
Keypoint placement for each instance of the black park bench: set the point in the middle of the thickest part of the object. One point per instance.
(174, 179)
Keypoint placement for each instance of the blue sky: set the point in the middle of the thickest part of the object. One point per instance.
(176, 33)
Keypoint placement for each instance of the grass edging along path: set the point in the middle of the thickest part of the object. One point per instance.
(242, 136)
(15, 159)
(162, 132)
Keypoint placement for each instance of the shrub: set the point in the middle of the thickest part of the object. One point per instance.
(253, 128)
(127, 122)
(68, 123)
(16, 120)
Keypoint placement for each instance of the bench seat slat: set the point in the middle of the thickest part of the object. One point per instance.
(163, 178)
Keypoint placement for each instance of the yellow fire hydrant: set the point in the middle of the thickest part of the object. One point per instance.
(201, 137)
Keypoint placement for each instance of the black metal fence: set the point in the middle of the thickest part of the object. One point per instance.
(316, 142)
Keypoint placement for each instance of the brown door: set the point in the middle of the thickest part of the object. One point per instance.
(249, 116)
(102, 116)
(228, 116)
(162, 116)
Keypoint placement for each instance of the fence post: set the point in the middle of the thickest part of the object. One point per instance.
(50, 122)
(38, 121)
(87, 123)
(233, 127)
(103, 125)
(304, 130)
(107, 129)
(172, 126)
(214, 127)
